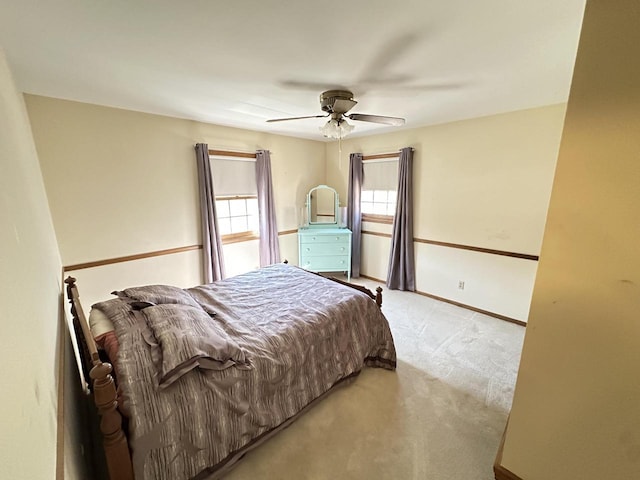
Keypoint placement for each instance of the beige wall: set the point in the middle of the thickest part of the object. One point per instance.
(30, 275)
(483, 182)
(576, 411)
(123, 182)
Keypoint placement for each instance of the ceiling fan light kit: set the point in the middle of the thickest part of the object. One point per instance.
(337, 103)
(336, 128)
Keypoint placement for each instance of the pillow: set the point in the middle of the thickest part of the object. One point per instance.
(104, 334)
(109, 343)
(99, 323)
(189, 339)
(159, 294)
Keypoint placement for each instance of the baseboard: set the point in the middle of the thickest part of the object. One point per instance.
(500, 472)
(458, 304)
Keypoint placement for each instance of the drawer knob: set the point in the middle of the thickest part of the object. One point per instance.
(308, 249)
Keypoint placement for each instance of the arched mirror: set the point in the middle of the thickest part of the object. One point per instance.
(322, 205)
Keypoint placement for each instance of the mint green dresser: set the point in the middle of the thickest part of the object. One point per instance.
(325, 249)
(324, 244)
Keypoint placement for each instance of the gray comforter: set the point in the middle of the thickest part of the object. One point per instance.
(211, 371)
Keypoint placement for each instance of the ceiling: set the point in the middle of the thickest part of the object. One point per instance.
(241, 62)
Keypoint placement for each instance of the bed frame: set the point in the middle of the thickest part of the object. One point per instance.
(103, 386)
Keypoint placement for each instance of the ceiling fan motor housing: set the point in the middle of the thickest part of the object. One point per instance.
(337, 103)
(330, 104)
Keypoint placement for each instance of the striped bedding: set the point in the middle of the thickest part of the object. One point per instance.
(295, 334)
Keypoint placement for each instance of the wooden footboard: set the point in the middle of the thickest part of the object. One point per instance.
(103, 387)
(377, 297)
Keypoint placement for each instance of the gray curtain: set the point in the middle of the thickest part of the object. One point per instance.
(213, 261)
(354, 214)
(269, 245)
(401, 274)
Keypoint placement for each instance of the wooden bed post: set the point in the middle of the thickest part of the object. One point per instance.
(379, 297)
(116, 447)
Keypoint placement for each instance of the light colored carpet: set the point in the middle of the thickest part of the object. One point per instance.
(440, 416)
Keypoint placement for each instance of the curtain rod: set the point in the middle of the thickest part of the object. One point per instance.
(384, 155)
(227, 153)
(380, 155)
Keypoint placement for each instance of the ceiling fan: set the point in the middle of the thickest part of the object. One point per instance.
(337, 103)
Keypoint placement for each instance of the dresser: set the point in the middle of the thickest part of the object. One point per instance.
(325, 249)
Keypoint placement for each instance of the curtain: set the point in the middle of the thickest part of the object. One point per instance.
(401, 274)
(213, 261)
(269, 245)
(354, 215)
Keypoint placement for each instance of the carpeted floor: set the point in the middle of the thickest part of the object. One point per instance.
(440, 416)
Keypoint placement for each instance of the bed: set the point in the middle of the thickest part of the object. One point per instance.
(205, 374)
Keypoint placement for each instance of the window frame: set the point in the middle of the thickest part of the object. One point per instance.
(372, 217)
(237, 237)
(243, 157)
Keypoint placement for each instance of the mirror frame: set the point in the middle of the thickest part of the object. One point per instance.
(336, 206)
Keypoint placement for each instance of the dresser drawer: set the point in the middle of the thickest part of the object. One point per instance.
(312, 249)
(318, 238)
(326, 264)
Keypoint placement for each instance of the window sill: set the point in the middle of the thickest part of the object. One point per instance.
(239, 237)
(386, 219)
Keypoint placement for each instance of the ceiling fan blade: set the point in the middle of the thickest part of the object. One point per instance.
(388, 54)
(304, 85)
(409, 89)
(361, 117)
(295, 118)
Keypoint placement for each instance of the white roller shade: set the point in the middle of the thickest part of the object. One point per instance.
(233, 177)
(380, 175)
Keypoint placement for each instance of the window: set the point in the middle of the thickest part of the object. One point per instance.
(237, 215)
(234, 183)
(379, 202)
(379, 190)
